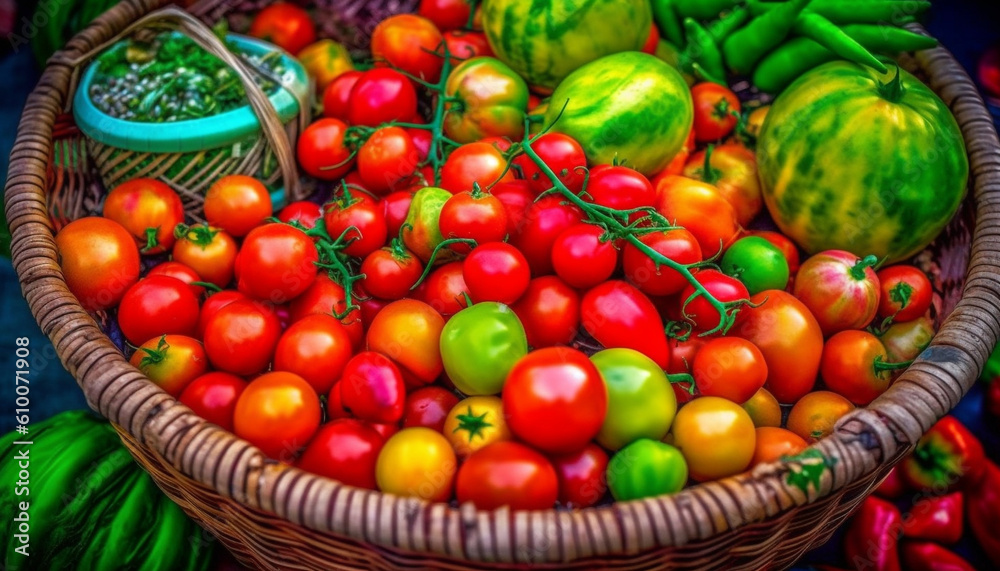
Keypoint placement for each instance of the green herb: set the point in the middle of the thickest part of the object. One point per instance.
(171, 78)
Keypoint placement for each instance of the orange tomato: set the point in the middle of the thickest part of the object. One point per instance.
(149, 210)
(237, 204)
(763, 409)
(701, 209)
(716, 437)
(734, 173)
(815, 414)
(409, 42)
(409, 332)
(99, 260)
(789, 337)
(773, 443)
(278, 413)
(210, 252)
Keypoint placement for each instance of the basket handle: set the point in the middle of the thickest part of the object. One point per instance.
(271, 125)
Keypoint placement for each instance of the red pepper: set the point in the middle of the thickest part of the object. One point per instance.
(948, 456)
(983, 507)
(873, 535)
(937, 519)
(927, 556)
(892, 486)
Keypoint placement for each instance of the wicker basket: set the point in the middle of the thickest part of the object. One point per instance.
(276, 517)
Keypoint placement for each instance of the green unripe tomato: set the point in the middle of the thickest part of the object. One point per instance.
(646, 468)
(641, 402)
(757, 263)
(479, 346)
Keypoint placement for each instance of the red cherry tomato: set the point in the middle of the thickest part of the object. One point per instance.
(474, 163)
(496, 272)
(563, 155)
(582, 476)
(181, 272)
(515, 196)
(334, 404)
(316, 348)
(444, 289)
(372, 388)
(616, 314)
(446, 14)
(729, 367)
(303, 212)
(543, 221)
(213, 397)
(322, 152)
(422, 139)
(428, 407)
(149, 210)
(326, 296)
(390, 272)
(361, 220)
(380, 96)
(276, 263)
(905, 293)
(620, 188)
(345, 450)
(651, 42)
(555, 400)
(213, 304)
(386, 160)
(337, 96)
(549, 311)
(395, 207)
(582, 257)
(285, 25)
(724, 288)
(156, 306)
(278, 413)
(473, 215)
(241, 337)
(410, 43)
(678, 245)
(507, 474)
(716, 111)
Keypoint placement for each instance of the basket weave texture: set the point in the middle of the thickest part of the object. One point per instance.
(276, 517)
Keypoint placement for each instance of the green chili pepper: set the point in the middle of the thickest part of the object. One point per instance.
(703, 9)
(747, 45)
(785, 64)
(721, 29)
(665, 16)
(893, 12)
(703, 50)
(834, 39)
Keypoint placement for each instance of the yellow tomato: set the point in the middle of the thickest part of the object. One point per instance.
(716, 437)
(763, 409)
(325, 60)
(417, 462)
(814, 415)
(475, 422)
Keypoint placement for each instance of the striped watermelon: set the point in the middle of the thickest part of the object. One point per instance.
(629, 106)
(851, 159)
(545, 40)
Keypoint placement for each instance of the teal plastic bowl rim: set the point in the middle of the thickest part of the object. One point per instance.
(211, 132)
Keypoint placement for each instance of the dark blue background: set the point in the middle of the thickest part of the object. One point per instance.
(967, 27)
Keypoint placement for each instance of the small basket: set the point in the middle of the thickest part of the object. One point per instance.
(191, 155)
(195, 153)
(275, 516)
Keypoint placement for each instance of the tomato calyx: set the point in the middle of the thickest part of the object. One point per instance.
(474, 424)
(679, 330)
(151, 240)
(893, 90)
(880, 366)
(857, 271)
(707, 173)
(154, 356)
(200, 235)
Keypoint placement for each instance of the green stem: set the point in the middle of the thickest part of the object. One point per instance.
(434, 255)
(858, 270)
(151, 241)
(212, 288)
(682, 378)
(893, 91)
(879, 365)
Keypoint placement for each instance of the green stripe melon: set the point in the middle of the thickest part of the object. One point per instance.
(853, 159)
(630, 107)
(545, 40)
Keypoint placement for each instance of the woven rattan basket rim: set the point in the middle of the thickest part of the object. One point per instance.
(218, 460)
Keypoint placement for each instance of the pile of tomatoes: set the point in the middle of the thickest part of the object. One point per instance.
(448, 326)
